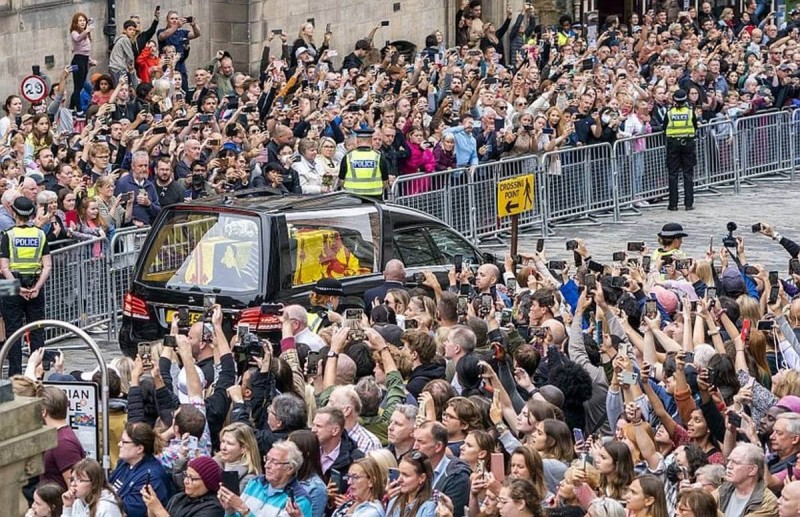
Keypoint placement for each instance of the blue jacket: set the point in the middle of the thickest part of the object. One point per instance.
(128, 483)
(145, 214)
(466, 148)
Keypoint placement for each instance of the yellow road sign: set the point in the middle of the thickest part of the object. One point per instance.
(515, 195)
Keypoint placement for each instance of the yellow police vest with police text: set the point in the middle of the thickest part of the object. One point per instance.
(25, 248)
(680, 122)
(364, 173)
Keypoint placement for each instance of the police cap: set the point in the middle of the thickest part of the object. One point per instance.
(679, 96)
(23, 207)
(364, 133)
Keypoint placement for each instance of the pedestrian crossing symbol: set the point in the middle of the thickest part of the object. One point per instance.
(515, 195)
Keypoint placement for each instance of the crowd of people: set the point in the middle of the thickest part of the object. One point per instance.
(657, 385)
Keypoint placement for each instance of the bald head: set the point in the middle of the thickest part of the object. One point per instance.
(29, 189)
(345, 370)
(789, 503)
(395, 271)
(298, 315)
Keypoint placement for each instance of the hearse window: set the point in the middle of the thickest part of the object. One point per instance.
(412, 246)
(339, 245)
(450, 244)
(205, 250)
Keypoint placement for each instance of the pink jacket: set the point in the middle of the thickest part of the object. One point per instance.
(418, 161)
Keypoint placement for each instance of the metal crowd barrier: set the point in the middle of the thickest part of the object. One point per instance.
(88, 280)
(580, 183)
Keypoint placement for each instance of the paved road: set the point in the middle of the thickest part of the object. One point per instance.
(775, 203)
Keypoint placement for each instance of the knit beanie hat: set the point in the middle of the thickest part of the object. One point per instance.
(208, 470)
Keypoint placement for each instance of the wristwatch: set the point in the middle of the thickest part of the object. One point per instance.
(501, 428)
(331, 353)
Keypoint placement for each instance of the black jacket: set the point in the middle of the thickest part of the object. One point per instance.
(171, 194)
(351, 60)
(181, 505)
(454, 483)
(348, 453)
(422, 375)
(379, 292)
(264, 437)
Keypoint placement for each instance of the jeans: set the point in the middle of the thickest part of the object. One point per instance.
(78, 80)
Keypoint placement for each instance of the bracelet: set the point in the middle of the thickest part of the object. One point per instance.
(713, 333)
(382, 350)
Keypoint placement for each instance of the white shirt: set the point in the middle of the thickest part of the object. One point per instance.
(311, 340)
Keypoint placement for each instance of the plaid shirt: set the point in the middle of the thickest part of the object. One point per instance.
(172, 453)
(365, 440)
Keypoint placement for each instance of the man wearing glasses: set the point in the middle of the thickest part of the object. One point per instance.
(744, 490)
(276, 491)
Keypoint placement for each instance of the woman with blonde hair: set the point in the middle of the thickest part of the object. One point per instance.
(124, 366)
(238, 452)
(367, 482)
(305, 39)
(785, 382)
(327, 164)
(565, 495)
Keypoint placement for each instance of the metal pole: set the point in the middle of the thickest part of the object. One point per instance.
(97, 354)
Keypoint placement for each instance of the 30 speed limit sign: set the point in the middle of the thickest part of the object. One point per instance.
(33, 88)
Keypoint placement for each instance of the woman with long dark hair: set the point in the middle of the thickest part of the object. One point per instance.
(13, 109)
(89, 494)
(310, 473)
(46, 501)
(411, 493)
(80, 33)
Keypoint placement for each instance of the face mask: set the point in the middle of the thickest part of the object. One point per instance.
(527, 128)
(606, 119)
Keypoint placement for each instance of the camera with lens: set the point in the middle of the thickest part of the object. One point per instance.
(729, 241)
(198, 181)
(249, 346)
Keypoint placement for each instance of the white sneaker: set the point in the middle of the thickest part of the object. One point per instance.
(641, 204)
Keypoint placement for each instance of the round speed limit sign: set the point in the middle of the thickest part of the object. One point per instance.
(33, 88)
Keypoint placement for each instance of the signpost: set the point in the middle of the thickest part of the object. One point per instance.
(515, 196)
(83, 413)
(33, 88)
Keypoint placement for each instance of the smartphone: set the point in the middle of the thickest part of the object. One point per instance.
(160, 130)
(249, 109)
(774, 292)
(498, 466)
(773, 278)
(548, 131)
(790, 472)
(688, 357)
(618, 256)
(48, 359)
(595, 267)
(190, 19)
(511, 284)
(572, 245)
(353, 314)
(312, 362)
(182, 123)
(465, 289)
(756, 227)
(208, 306)
(193, 442)
(745, 333)
(577, 435)
(385, 23)
(711, 292)
(750, 270)
(412, 324)
(338, 480)
(419, 278)
(170, 341)
(635, 246)
(145, 353)
(765, 325)
(289, 493)
(394, 475)
(205, 118)
(629, 378)
(539, 245)
(693, 306)
(277, 32)
(486, 302)
(327, 28)
(651, 308)
(462, 305)
(557, 265)
(794, 266)
(242, 329)
(735, 419)
(618, 282)
(646, 264)
(230, 480)
(183, 316)
(505, 317)
(591, 283)
(458, 261)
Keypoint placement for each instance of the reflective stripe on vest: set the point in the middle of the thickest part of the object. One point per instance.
(364, 173)
(313, 321)
(25, 247)
(680, 123)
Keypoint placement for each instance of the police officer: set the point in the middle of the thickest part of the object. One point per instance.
(364, 171)
(325, 297)
(681, 127)
(24, 255)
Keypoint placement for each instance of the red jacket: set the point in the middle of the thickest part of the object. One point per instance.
(144, 62)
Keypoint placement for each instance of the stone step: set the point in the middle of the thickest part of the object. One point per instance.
(20, 416)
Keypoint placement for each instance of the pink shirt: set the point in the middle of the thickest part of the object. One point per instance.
(81, 44)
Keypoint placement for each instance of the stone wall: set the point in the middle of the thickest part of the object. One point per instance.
(30, 30)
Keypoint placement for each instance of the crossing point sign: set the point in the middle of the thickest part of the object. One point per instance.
(515, 195)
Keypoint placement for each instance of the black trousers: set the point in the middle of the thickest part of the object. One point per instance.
(681, 159)
(17, 311)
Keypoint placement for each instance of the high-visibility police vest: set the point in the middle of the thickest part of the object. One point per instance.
(364, 173)
(25, 247)
(680, 122)
(314, 321)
